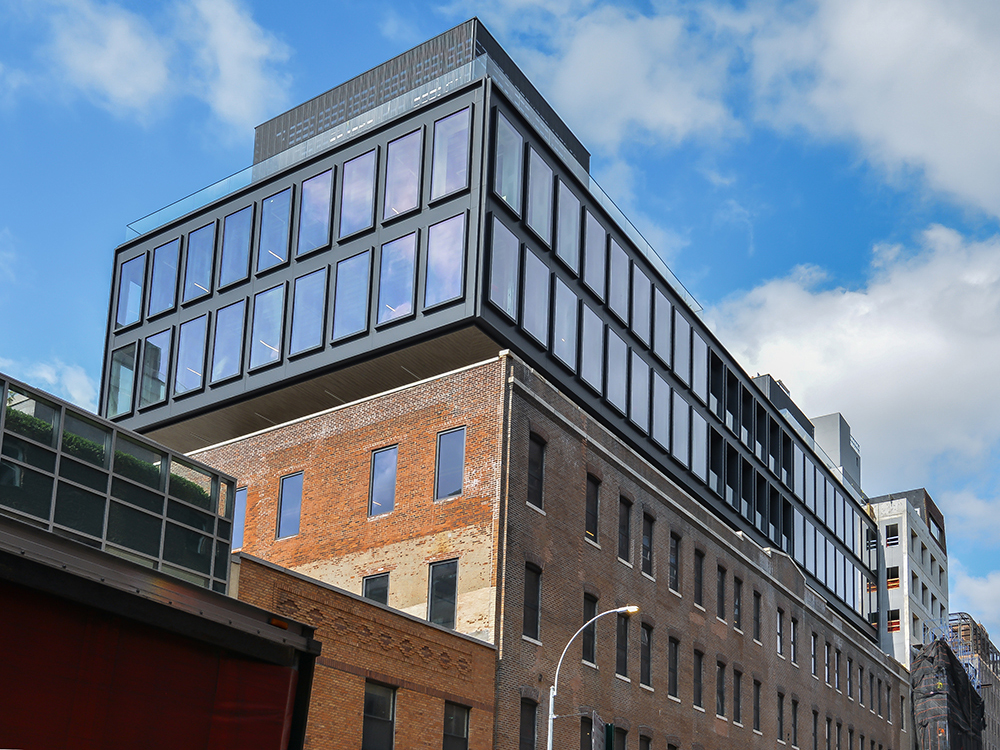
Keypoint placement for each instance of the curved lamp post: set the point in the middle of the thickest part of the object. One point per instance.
(631, 609)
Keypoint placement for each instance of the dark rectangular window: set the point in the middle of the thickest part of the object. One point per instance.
(673, 656)
(781, 631)
(675, 562)
(443, 589)
(456, 727)
(826, 662)
(793, 641)
(236, 231)
(624, 529)
(379, 717)
(189, 374)
(376, 588)
(155, 368)
(589, 634)
(450, 464)
(720, 593)
(647, 544)
(509, 155)
(645, 743)
(737, 697)
(538, 207)
(795, 723)
(879, 700)
(816, 732)
(536, 470)
(382, 490)
(699, 577)
(697, 678)
(720, 688)
(586, 733)
(621, 739)
(532, 600)
(646, 656)
(836, 669)
(593, 506)
(812, 654)
(756, 615)
(529, 711)
(289, 505)
(781, 716)
(621, 646)
(756, 705)
(737, 603)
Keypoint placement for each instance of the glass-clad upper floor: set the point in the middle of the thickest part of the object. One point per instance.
(70, 472)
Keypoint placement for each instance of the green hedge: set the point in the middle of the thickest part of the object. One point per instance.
(29, 426)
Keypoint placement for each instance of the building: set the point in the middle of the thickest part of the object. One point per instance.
(418, 333)
(971, 643)
(911, 529)
(947, 710)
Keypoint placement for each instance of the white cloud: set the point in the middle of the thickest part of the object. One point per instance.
(910, 358)
(976, 595)
(67, 381)
(966, 512)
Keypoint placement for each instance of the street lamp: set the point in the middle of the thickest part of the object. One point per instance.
(631, 609)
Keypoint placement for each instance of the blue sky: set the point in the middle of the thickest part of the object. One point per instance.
(824, 176)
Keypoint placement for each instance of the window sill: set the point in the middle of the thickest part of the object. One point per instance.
(674, 698)
(698, 606)
(738, 724)
(737, 630)
(781, 742)
(647, 575)
(720, 619)
(622, 677)
(676, 593)
(781, 656)
(758, 732)
(720, 717)
(529, 639)
(591, 542)
(589, 664)
(624, 562)
(757, 642)
(699, 708)
(535, 508)
(647, 687)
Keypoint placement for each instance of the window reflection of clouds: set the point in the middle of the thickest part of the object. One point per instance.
(595, 256)
(163, 282)
(395, 288)
(535, 316)
(505, 269)
(130, 283)
(122, 381)
(198, 268)
(539, 210)
(268, 317)
(639, 406)
(617, 368)
(350, 312)
(155, 366)
(190, 355)
(564, 340)
(308, 305)
(314, 214)
(618, 284)
(592, 354)
(402, 175)
(507, 168)
(450, 168)
(274, 221)
(357, 197)
(235, 246)
(568, 230)
(641, 304)
(383, 481)
(227, 353)
(445, 260)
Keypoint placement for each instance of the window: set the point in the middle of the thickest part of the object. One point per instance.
(892, 535)
(756, 615)
(456, 727)
(507, 167)
(376, 588)
(699, 577)
(682, 347)
(593, 507)
(699, 659)
(268, 320)
(239, 517)
(538, 212)
(888, 702)
(590, 632)
(829, 733)
(737, 697)
(450, 167)
(892, 577)
(529, 711)
(505, 269)
(618, 282)
(639, 401)
(592, 350)
(275, 224)
(235, 263)
(155, 367)
(756, 705)
(395, 282)
(450, 464)
(673, 655)
(793, 641)
(816, 731)
(402, 175)
(379, 717)
(350, 309)
(646, 655)
(826, 662)
(594, 255)
(308, 309)
(645, 743)
(289, 505)
(445, 261)
(737, 603)
(621, 646)
(565, 325)
(624, 529)
(535, 315)
(617, 364)
(892, 621)
(720, 592)
(861, 685)
(227, 349)
(850, 678)
(314, 213)
(198, 263)
(536, 470)
(190, 356)
(568, 228)
(780, 630)
(781, 716)
(795, 723)
(357, 198)
(442, 600)
(839, 732)
(720, 689)
(647, 544)
(532, 600)
(879, 693)
(641, 304)
(681, 429)
(675, 562)
(621, 739)
(836, 669)
(163, 283)
(812, 653)
(382, 492)
(131, 279)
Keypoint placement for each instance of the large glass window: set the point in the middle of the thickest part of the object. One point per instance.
(198, 266)
(661, 411)
(131, 278)
(641, 304)
(538, 213)
(308, 308)
(289, 505)
(268, 324)
(121, 381)
(450, 168)
(239, 517)
(275, 219)
(382, 492)
(376, 588)
(155, 368)
(379, 717)
(507, 167)
(350, 311)
(227, 352)
(535, 316)
(617, 372)
(568, 229)
(699, 445)
(402, 175)
(564, 340)
(445, 260)
(639, 401)
(619, 282)
(662, 340)
(681, 422)
(532, 600)
(357, 196)
(236, 230)
(442, 601)
(314, 213)
(699, 366)
(450, 464)
(505, 270)
(456, 727)
(682, 348)
(592, 354)
(395, 280)
(163, 283)
(594, 255)
(190, 370)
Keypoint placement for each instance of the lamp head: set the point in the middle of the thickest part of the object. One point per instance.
(630, 609)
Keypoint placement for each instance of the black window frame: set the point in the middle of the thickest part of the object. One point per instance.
(699, 578)
(536, 471)
(373, 723)
(621, 645)
(646, 655)
(450, 740)
(432, 603)
(720, 592)
(624, 529)
(589, 634)
(673, 665)
(593, 509)
(647, 544)
(377, 577)
(532, 613)
(437, 465)
(674, 581)
(698, 679)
